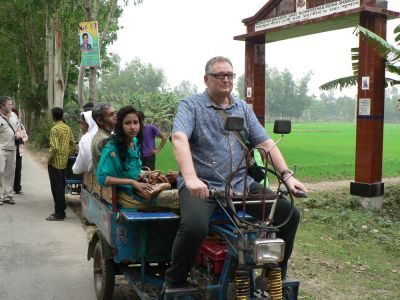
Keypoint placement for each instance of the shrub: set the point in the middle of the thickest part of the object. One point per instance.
(39, 134)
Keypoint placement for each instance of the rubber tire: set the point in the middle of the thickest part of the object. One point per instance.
(103, 274)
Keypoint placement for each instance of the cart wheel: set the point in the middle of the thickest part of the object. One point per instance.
(103, 273)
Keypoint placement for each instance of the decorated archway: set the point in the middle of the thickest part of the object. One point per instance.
(284, 19)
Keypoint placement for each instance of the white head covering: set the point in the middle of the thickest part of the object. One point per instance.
(89, 120)
(83, 162)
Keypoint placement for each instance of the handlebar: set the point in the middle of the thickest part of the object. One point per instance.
(250, 198)
(269, 197)
(229, 200)
(301, 194)
(232, 200)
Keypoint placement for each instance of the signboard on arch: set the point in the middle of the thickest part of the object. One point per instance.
(303, 14)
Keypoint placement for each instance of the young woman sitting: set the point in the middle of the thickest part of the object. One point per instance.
(120, 162)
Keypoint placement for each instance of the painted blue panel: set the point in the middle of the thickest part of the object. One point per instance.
(125, 241)
(97, 213)
(148, 216)
(72, 181)
(372, 117)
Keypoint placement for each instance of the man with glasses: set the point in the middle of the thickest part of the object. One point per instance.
(10, 132)
(105, 117)
(206, 155)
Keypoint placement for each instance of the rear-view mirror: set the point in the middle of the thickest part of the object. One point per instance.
(282, 126)
(234, 123)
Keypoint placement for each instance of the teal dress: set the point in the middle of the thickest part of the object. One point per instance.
(110, 165)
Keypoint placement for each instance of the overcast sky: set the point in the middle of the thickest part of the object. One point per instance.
(179, 36)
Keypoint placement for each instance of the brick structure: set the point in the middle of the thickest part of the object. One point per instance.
(283, 19)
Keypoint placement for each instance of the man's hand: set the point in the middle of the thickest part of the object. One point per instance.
(197, 187)
(296, 187)
(154, 151)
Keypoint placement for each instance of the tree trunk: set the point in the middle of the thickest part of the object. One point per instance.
(81, 96)
(30, 51)
(92, 85)
(113, 5)
(50, 61)
(59, 86)
(68, 59)
(17, 68)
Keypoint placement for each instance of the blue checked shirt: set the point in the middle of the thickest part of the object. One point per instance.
(215, 150)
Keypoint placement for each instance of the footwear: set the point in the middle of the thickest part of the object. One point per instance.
(1, 201)
(54, 217)
(8, 200)
(19, 192)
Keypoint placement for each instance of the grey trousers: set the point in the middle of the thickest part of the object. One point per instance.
(193, 228)
(7, 172)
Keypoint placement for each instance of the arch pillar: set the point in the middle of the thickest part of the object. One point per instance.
(370, 115)
(255, 76)
(285, 19)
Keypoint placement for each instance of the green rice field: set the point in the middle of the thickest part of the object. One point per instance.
(322, 151)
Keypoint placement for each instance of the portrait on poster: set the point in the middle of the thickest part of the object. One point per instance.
(89, 44)
(86, 42)
(300, 5)
(248, 92)
(365, 83)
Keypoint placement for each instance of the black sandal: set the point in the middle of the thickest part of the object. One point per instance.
(54, 217)
(9, 201)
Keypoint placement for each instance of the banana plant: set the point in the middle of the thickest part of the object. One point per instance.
(390, 52)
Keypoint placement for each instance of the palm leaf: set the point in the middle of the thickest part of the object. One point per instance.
(397, 30)
(393, 69)
(385, 49)
(391, 82)
(340, 83)
(354, 58)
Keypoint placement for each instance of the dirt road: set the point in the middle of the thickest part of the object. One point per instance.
(337, 184)
(41, 259)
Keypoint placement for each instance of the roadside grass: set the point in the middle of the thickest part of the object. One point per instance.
(325, 151)
(322, 151)
(345, 252)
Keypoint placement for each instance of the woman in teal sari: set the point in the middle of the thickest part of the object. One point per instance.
(120, 162)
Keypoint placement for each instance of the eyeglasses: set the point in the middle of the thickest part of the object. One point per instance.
(221, 76)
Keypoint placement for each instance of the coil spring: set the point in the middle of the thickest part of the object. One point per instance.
(242, 281)
(275, 284)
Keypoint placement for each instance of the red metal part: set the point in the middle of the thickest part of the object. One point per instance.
(214, 252)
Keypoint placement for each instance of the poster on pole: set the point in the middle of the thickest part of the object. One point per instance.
(364, 107)
(89, 44)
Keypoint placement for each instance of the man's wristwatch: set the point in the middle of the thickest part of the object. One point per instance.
(285, 174)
